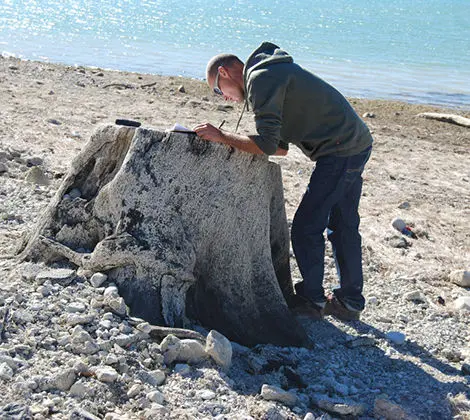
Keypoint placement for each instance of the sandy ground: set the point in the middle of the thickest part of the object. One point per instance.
(418, 171)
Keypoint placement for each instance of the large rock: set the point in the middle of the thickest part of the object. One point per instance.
(187, 229)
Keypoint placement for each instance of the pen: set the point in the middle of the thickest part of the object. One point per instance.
(221, 124)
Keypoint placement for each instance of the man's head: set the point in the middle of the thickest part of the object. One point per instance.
(224, 75)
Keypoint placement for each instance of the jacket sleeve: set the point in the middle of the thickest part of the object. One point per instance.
(266, 96)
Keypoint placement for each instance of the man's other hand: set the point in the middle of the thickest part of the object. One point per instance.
(208, 132)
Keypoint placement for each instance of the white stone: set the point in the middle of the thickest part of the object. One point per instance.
(111, 359)
(111, 290)
(309, 416)
(10, 361)
(98, 279)
(106, 324)
(6, 372)
(79, 389)
(396, 337)
(63, 380)
(156, 411)
(206, 395)
(373, 300)
(134, 390)
(191, 351)
(73, 319)
(156, 396)
(460, 278)
(462, 303)
(170, 347)
(75, 307)
(219, 348)
(273, 393)
(106, 374)
(158, 376)
(415, 295)
(45, 290)
(116, 304)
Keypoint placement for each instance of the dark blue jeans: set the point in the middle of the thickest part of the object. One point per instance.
(331, 202)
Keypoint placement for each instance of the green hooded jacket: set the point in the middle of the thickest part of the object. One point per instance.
(292, 105)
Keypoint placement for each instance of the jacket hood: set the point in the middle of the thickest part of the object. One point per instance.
(266, 54)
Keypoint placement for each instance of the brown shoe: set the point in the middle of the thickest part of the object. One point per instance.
(335, 308)
(302, 307)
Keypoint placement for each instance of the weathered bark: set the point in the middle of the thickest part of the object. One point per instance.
(189, 230)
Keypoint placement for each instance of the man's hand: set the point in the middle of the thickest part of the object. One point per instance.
(208, 132)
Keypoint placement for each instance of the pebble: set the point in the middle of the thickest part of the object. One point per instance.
(361, 341)
(54, 121)
(405, 205)
(219, 348)
(156, 396)
(156, 411)
(206, 395)
(6, 372)
(3, 168)
(134, 390)
(385, 409)
(75, 307)
(116, 304)
(61, 276)
(170, 347)
(36, 175)
(181, 89)
(368, 115)
(106, 324)
(462, 303)
(106, 374)
(73, 319)
(45, 290)
(274, 393)
(111, 290)
(182, 368)
(373, 300)
(396, 337)
(80, 414)
(34, 161)
(338, 408)
(62, 381)
(415, 296)
(98, 279)
(460, 278)
(79, 389)
(154, 378)
(191, 351)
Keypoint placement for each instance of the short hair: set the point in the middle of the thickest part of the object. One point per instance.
(220, 60)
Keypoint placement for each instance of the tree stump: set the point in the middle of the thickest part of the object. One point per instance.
(189, 231)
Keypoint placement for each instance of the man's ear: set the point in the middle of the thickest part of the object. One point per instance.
(223, 71)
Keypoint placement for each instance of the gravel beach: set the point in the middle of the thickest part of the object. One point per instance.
(68, 349)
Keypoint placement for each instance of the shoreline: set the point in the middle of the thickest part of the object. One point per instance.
(418, 171)
(416, 98)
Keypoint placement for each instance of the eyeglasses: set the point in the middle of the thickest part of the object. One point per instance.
(216, 88)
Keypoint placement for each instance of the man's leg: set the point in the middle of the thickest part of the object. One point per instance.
(310, 221)
(343, 232)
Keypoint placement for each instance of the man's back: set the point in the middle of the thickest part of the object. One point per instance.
(293, 105)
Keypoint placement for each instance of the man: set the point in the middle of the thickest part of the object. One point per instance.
(291, 105)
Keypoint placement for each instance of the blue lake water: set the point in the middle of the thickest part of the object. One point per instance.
(412, 50)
